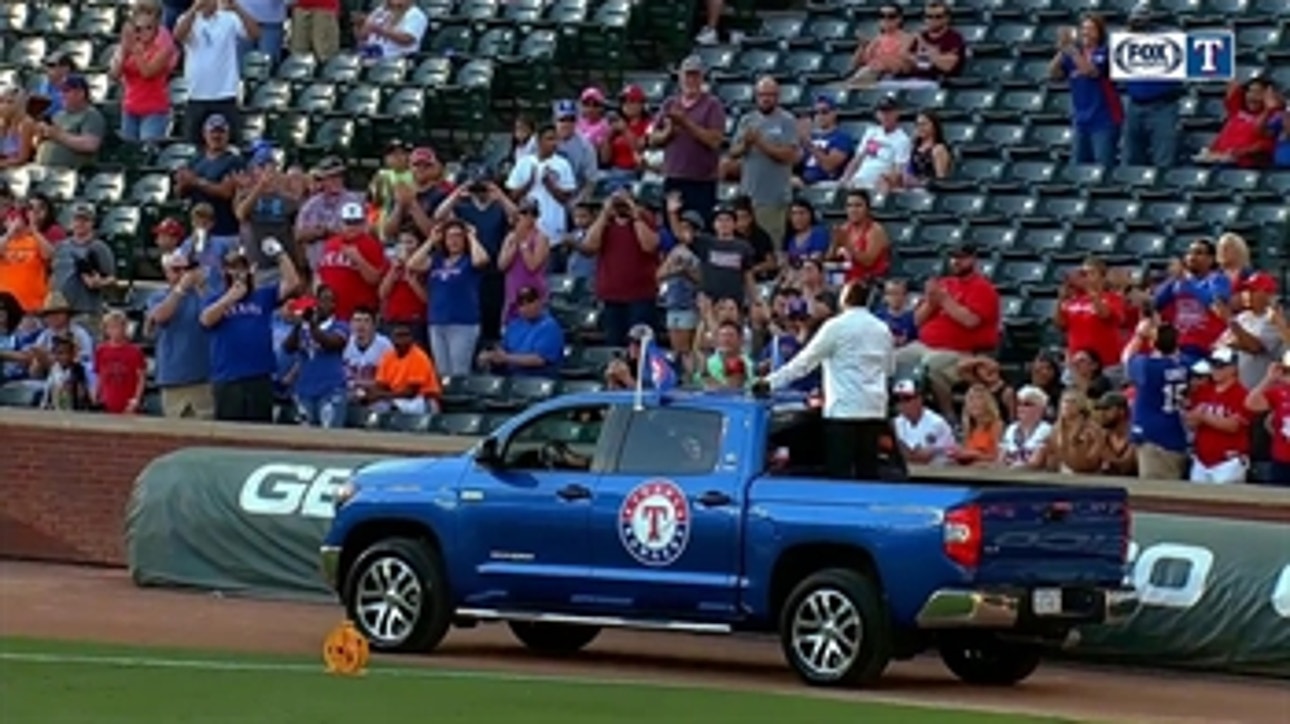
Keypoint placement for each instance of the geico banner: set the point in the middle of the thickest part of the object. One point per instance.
(1215, 592)
(1215, 595)
(239, 522)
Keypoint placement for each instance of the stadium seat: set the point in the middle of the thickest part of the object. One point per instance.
(467, 424)
(20, 394)
(408, 422)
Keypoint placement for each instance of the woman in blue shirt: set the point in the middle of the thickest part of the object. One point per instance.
(320, 339)
(1096, 111)
(454, 260)
(806, 237)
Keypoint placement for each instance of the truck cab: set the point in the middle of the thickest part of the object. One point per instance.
(709, 513)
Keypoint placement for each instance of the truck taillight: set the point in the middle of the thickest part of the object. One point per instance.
(962, 535)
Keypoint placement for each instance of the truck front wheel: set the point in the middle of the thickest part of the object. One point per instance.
(553, 638)
(396, 594)
(835, 630)
(987, 660)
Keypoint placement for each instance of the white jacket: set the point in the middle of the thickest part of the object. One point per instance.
(858, 354)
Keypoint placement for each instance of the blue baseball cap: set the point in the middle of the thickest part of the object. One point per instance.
(827, 102)
(75, 82)
(565, 109)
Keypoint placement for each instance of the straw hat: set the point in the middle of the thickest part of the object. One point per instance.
(56, 303)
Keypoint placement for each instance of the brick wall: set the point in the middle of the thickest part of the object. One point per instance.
(65, 479)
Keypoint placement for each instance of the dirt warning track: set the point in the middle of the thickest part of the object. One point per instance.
(102, 605)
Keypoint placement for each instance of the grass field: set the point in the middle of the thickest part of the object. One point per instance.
(46, 682)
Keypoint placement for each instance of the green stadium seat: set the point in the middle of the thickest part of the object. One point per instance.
(343, 68)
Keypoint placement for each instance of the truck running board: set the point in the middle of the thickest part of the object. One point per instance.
(488, 614)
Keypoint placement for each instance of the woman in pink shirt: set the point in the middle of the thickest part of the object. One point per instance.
(887, 55)
(143, 64)
(592, 123)
(523, 258)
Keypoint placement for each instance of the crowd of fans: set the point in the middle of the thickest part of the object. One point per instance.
(291, 283)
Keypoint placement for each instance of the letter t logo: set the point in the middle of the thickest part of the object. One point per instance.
(1208, 49)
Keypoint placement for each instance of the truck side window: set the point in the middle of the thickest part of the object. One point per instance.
(576, 428)
(671, 441)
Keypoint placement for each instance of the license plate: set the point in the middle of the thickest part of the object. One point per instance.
(1046, 601)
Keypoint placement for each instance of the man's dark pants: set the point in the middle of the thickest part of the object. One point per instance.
(862, 450)
(246, 400)
(618, 318)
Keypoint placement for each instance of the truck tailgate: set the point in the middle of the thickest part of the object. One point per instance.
(1052, 535)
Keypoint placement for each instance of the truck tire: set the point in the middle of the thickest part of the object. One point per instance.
(553, 638)
(835, 629)
(396, 594)
(987, 660)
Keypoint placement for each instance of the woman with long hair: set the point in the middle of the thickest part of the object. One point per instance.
(1083, 59)
(1075, 445)
(929, 160)
(982, 428)
(1233, 257)
(142, 64)
(17, 129)
(43, 217)
(807, 238)
(454, 260)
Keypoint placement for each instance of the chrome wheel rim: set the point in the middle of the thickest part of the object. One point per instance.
(387, 602)
(827, 633)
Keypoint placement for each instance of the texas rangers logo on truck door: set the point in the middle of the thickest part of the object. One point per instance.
(654, 522)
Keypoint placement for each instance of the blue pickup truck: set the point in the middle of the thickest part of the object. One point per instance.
(710, 514)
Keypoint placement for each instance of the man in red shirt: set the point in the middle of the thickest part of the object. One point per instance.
(1092, 315)
(352, 263)
(1219, 417)
(958, 317)
(1272, 395)
(1243, 139)
(625, 242)
(939, 51)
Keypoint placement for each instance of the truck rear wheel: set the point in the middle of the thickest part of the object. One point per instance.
(553, 638)
(987, 660)
(396, 594)
(835, 630)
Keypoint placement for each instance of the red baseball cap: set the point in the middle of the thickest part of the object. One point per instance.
(422, 154)
(633, 94)
(301, 304)
(1261, 282)
(170, 227)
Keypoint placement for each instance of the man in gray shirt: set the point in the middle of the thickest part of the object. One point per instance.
(576, 149)
(766, 146)
(83, 266)
(1253, 333)
(74, 135)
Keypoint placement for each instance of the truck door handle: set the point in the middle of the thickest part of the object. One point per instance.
(714, 499)
(574, 491)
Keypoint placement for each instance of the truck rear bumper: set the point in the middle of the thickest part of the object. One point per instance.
(329, 563)
(1015, 608)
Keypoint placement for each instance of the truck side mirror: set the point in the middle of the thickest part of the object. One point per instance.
(487, 456)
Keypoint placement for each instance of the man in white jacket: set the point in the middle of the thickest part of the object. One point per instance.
(857, 352)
